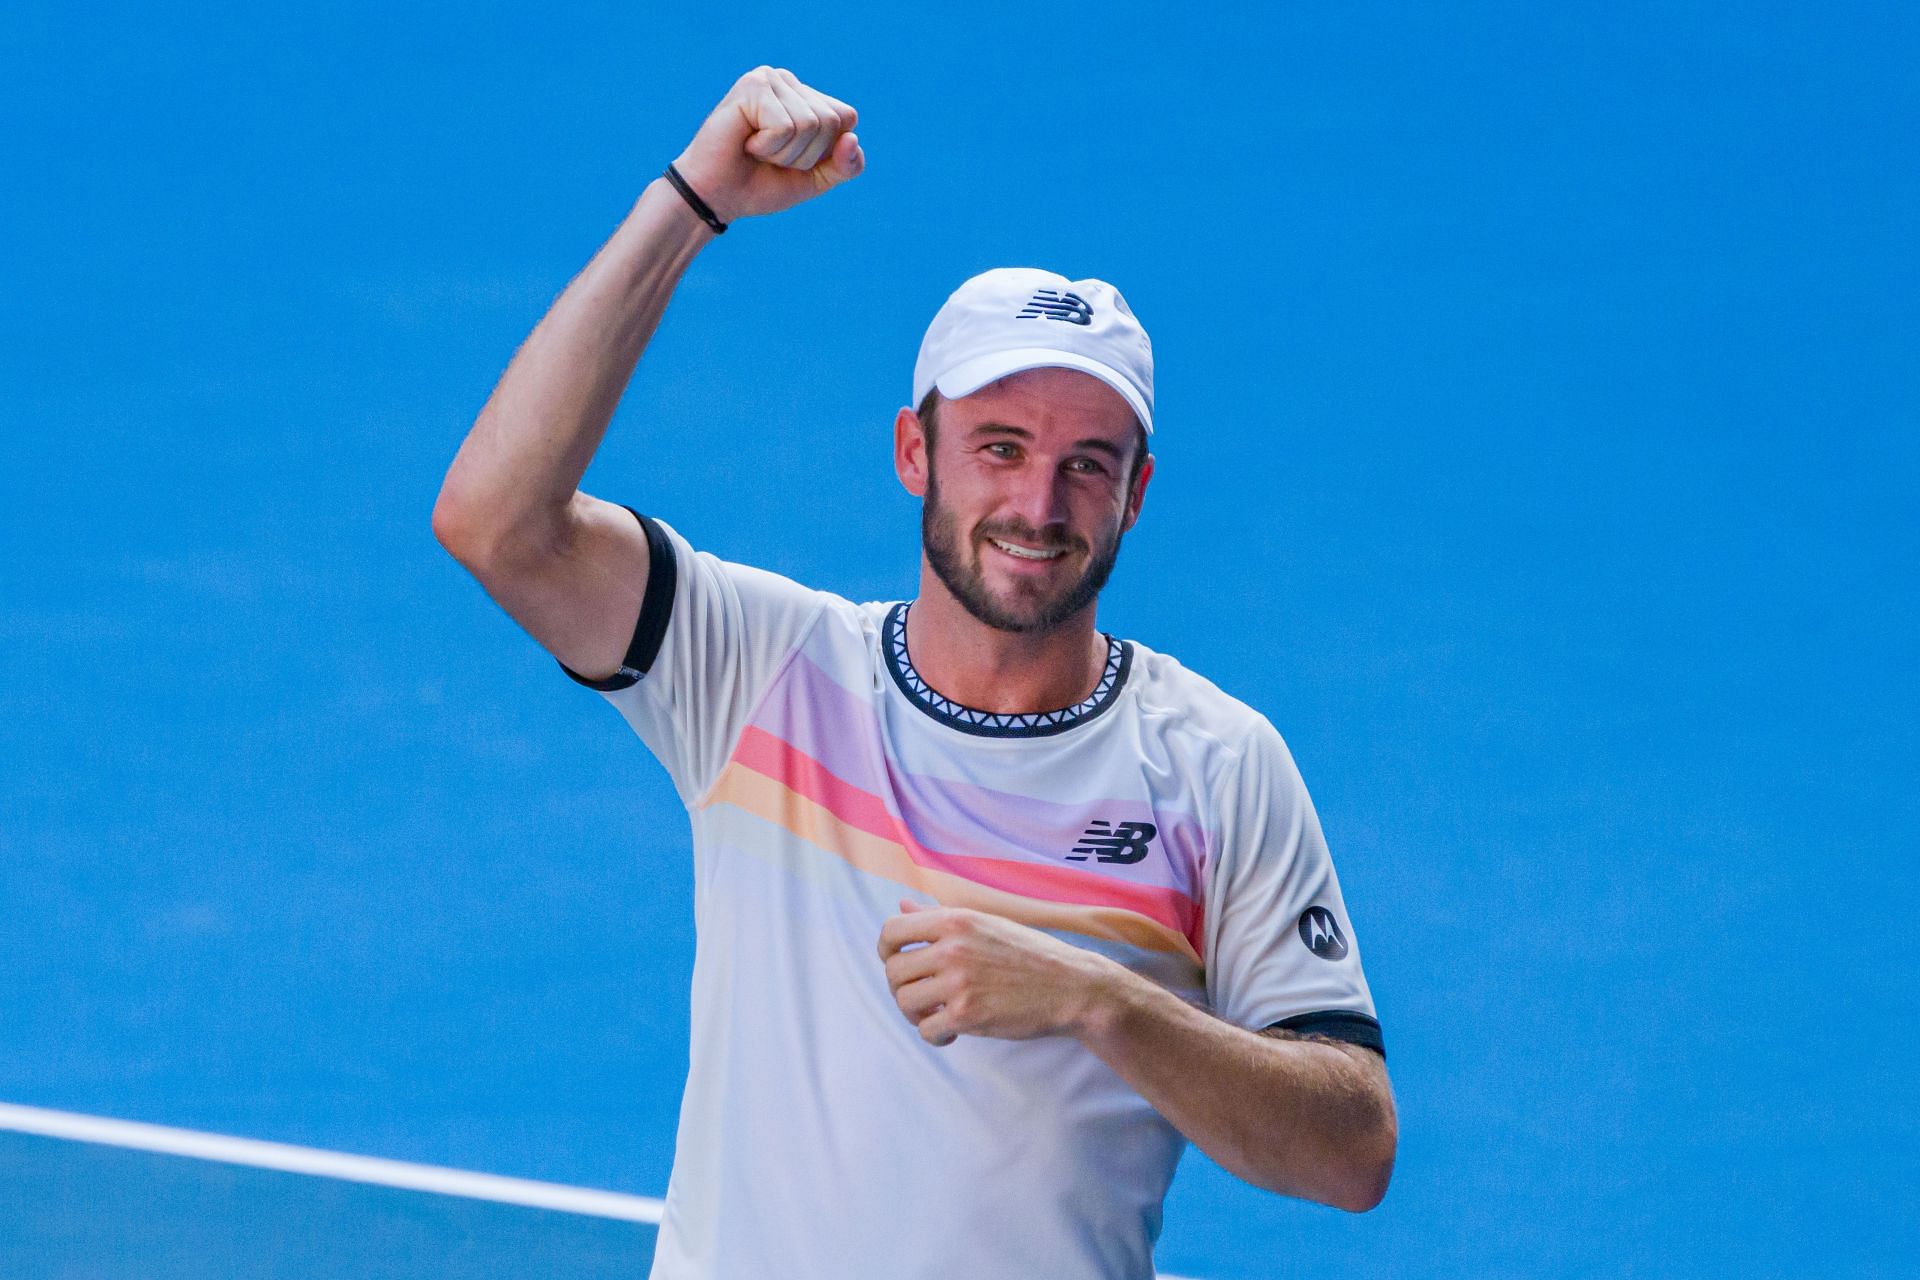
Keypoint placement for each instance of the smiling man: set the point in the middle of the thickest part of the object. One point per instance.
(995, 911)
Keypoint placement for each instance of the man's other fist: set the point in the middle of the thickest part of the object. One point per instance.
(771, 143)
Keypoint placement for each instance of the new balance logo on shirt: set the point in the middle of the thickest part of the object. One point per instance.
(1054, 305)
(1126, 843)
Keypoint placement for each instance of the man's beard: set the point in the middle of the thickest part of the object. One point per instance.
(958, 566)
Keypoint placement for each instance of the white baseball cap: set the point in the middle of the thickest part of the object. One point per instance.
(1011, 319)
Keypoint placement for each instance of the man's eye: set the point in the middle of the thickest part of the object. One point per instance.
(1088, 466)
(1001, 449)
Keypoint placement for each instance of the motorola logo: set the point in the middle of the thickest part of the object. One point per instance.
(1321, 932)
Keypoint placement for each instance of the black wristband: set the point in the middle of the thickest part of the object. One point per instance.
(701, 207)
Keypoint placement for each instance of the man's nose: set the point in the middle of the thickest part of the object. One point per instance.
(1039, 497)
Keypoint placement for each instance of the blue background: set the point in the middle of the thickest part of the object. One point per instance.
(1537, 407)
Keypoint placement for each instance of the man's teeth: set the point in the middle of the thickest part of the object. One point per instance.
(1026, 553)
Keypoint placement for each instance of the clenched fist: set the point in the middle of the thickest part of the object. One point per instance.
(956, 972)
(771, 143)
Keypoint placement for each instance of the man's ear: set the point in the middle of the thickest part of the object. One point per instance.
(910, 460)
(1138, 498)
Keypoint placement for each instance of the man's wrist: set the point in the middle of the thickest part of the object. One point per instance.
(707, 186)
(1107, 999)
(667, 212)
(700, 207)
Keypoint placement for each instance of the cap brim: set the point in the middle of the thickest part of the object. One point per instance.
(969, 376)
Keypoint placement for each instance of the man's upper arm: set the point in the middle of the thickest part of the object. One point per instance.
(698, 644)
(1369, 1051)
(580, 596)
(681, 642)
(1281, 952)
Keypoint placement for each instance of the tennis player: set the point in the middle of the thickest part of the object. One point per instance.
(995, 911)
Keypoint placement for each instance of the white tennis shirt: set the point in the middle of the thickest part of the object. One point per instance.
(1160, 822)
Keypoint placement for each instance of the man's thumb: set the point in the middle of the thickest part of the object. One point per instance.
(908, 906)
(845, 161)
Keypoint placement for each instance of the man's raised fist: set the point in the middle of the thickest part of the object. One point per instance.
(771, 143)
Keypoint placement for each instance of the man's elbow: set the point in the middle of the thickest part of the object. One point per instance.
(1365, 1187)
(472, 530)
(466, 535)
(450, 526)
(1353, 1164)
(1367, 1168)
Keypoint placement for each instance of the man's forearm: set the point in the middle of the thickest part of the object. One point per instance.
(1301, 1117)
(520, 465)
(571, 569)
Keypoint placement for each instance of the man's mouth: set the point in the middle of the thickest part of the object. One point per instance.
(1028, 553)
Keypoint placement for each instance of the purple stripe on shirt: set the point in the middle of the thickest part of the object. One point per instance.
(815, 714)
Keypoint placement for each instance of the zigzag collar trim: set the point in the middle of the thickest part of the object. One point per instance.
(992, 724)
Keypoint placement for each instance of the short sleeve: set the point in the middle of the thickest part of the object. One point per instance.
(710, 638)
(1280, 949)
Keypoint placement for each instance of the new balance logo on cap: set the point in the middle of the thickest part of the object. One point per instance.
(1126, 843)
(1062, 305)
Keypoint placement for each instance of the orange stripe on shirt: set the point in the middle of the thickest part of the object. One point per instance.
(878, 855)
(786, 764)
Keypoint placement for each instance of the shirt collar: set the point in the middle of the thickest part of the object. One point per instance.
(994, 724)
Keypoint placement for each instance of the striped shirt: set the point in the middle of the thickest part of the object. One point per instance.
(1159, 822)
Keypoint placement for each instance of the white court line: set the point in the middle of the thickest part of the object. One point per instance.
(329, 1164)
(286, 1158)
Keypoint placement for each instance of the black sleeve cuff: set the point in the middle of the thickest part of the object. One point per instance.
(1337, 1024)
(657, 606)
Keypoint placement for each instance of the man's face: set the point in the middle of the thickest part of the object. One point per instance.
(1026, 494)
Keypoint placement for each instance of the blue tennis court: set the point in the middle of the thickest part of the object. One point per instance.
(78, 1210)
